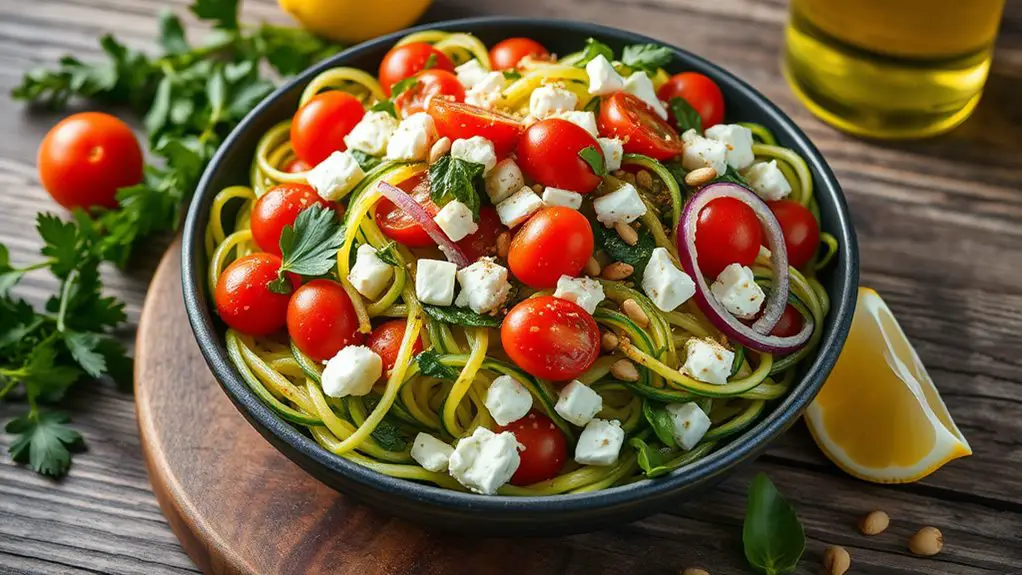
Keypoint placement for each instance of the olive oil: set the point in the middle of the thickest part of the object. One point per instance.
(891, 68)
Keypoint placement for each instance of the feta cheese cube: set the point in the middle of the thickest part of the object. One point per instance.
(559, 197)
(484, 461)
(768, 181)
(477, 150)
(585, 120)
(623, 205)
(586, 292)
(372, 133)
(551, 99)
(503, 180)
(488, 92)
(578, 403)
(370, 274)
(603, 78)
(689, 423)
(600, 443)
(665, 284)
(507, 400)
(455, 219)
(431, 453)
(353, 371)
(471, 73)
(434, 281)
(335, 176)
(701, 152)
(707, 361)
(518, 207)
(738, 141)
(736, 289)
(613, 151)
(640, 86)
(413, 138)
(484, 285)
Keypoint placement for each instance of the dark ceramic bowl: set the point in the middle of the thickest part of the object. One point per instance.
(517, 515)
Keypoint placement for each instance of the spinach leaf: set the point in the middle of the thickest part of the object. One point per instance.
(452, 178)
(594, 158)
(429, 365)
(685, 116)
(773, 536)
(652, 460)
(387, 433)
(731, 175)
(365, 161)
(637, 256)
(660, 421)
(647, 57)
(593, 48)
(460, 316)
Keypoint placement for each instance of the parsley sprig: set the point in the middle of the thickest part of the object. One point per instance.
(309, 247)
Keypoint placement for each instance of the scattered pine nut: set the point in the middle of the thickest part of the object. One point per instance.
(628, 177)
(592, 268)
(439, 149)
(874, 523)
(608, 341)
(624, 370)
(927, 541)
(538, 188)
(503, 245)
(700, 176)
(616, 271)
(619, 174)
(644, 179)
(694, 571)
(627, 233)
(635, 313)
(836, 560)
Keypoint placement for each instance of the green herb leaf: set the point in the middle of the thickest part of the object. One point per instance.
(773, 536)
(44, 441)
(388, 253)
(652, 460)
(309, 247)
(222, 13)
(658, 418)
(384, 106)
(685, 116)
(647, 57)
(403, 86)
(452, 178)
(731, 175)
(430, 62)
(172, 33)
(387, 434)
(511, 75)
(8, 275)
(594, 158)
(430, 366)
(593, 48)
(291, 50)
(460, 316)
(83, 348)
(593, 106)
(637, 256)
(365, 161)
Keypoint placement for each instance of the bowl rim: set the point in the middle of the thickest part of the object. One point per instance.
(742, 447)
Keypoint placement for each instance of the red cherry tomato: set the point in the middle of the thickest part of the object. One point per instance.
(386, 342)
(458, 120)
(727, 232)
(277, 208)
(555, 241)
(318, 128)
(801, 231)
(408, 60)
(431, 84)
(700, 92)
(624, 116)
(86, 158)
(789, 324)
(321, 319)
(551, 338)
(296, 166)
(546, 448)
(548, 152)
(484, 241)
(244, 301)
(399, 226)
(508, 53)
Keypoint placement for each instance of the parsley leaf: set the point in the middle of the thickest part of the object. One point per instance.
(44, 441)
(647, 57)
(172, 33)
(593, 48)
(731, 175)
(309, 247)
(511, 75)
(430, 366)
(685, 116)
(8, 275)
(386, 253)
(453, 178)
(403, 86)
(223, 13)
(430, 62)
(365, 161)
(594, 158)
(384, 106)
(460, 316)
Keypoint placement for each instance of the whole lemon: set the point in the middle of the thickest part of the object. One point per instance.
(352, 21)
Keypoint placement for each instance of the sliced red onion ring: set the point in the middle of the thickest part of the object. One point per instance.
(757, 336)
(409, 206)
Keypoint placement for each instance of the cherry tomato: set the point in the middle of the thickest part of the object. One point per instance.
(508, 53)
(801, 231)
(399, 226)
(551, 338)
(321, 319)
(727, 232)
(431, 84)
(484, 241)
(624, 116)
(546, 448)
(277, 208)
(408, 60)
(548, 152)
(700, 92)
(386, 342)
(244, 300)
(318, 128)
(296, 166)
(789, 324)
(86, 158)
(555, 241)
(458, 120)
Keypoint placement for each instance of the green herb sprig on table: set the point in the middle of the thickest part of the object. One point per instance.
(190, 96)
(773, 536)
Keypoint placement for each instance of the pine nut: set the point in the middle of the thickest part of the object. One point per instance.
(927, 541)
(628, 177)
(609, 341)
(635, 313)
(439, 149)
(700, 176)
(627, 233)
(874, 523)
(616, 271)
(592, 268)
(836, 560)
(503, 245)
(619, 174)
(624, 370)
(644, 179)
(695, 571)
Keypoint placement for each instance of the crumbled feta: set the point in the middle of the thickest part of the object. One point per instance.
(484, 285)
(623, 205)
(738, 141)
(335, 176)
(582, 119)
(431, 453)
(471, 73)
(559, 197)
(603, 78)
(640, 86)
(768, 181)
(518, 207)
(353, 371)
(707, 361)
(434, 281)
(503, 180)
(689, 423)
(370, 274)
(484, 461)
(600, 443)
(477, 150)
(578, 403)
(488, 92)
(372, 133)
(507, 400)
(455, 219)
(613, 151)
(701, 152)
(586, 292)
(413, 138)
(665, 284)
(736, 289)
(551, 99)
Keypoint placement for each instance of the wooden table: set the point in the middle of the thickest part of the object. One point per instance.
(940, 230)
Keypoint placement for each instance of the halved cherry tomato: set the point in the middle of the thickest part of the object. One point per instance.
(408, 60)
(431, 84)
(624, 116)
(399, 226)
(548, 152)
(546, 448)
(727, 232)
(385, 340)
(321, 319)
(700, 92)
(789, 324)
(318, 128)
(244, 300)
(484, 241)
(279, 207)
(296, 166)
(551, 338)
(508, 53)
(801, 231)
(555, 241)
(458, 120)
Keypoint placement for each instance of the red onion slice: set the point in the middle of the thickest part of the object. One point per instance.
(757, 336)
(409, 206)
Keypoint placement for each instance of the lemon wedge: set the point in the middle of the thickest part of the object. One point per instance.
(354, 20)
(879, 417)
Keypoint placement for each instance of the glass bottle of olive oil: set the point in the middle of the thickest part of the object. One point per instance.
(891, 68)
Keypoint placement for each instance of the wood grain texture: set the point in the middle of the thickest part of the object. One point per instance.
(940, 231)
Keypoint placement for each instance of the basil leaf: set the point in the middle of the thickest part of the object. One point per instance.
(652, 460)
(452, 178)
(773, 536)
(512, 75)
(430, 366)
(594, 158)
(384, 106)
(648, 57)
(403, 86)
(637, 256)
(593, 48)
(685, 116)
(460, 316)
(365, 161)
(660, 421)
